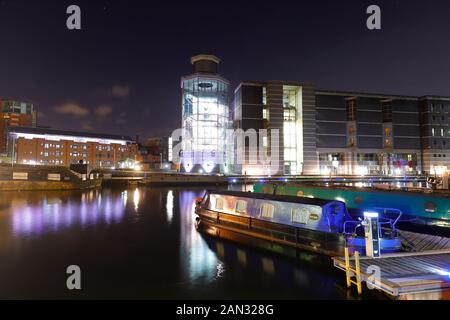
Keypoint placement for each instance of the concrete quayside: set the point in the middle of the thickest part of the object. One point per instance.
(27, 178)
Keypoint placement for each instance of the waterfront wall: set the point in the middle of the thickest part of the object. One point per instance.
(37, 185)
(26, 177)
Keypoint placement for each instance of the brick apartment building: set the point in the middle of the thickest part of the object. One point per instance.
(43, 146)
(13, 114)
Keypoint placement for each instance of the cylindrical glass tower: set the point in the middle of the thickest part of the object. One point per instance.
(205, 118)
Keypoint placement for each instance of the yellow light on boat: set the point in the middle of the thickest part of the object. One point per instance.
(339, 199)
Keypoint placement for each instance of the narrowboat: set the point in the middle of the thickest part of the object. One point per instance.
(316, 225)
(411, 205)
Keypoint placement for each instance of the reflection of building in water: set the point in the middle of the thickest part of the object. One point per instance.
(136, 197)
(53, 214)
(242, 257)
(197, 258)
(220, 249)
(169, 206)
(268, 265)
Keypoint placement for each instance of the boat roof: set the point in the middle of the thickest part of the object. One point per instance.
(281, 198)
(403, 190)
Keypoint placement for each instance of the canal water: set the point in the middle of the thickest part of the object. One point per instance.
(141, 243)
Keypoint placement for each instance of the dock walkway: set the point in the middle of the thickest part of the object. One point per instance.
(418, 242)
(423, 273)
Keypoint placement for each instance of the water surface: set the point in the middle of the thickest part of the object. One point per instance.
(140, 243)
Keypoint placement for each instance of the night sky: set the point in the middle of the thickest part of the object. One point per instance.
(121, 72)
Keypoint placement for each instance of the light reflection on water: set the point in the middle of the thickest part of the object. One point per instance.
(148, 237)
(51, 214)
(200, 263)
(374, 183)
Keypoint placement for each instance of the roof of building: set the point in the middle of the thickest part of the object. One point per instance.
(343, 93)
(201, 57)
(51, 131)
(365, 94)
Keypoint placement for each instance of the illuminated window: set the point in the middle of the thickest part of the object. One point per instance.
(300, 215)
(387, 136)
(351, 142)
(241, 206)
(205, 118)
(291, 129)
(219, 203)
(170, 149)
(264, 96)
(266, 114)
(267, 210)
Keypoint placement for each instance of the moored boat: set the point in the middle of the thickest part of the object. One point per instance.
(321, 226)
(416, 206)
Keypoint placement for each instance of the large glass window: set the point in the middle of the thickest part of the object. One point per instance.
(206, 118)
(291, 129)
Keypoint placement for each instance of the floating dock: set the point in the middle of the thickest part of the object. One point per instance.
(423, 274)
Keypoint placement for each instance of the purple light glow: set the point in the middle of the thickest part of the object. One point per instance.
(52, 217)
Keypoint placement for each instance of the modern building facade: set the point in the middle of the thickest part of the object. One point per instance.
(435, 133)
(283, 107)
(160, 148)
(367, 134)
(205, 118)
(329, 132)
(13, 114)
(42, 146)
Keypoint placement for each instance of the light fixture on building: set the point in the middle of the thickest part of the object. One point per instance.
(361, 170)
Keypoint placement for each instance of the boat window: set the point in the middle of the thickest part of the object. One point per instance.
(241, 206)
(219, 203)
(267, 210)
(300, 215)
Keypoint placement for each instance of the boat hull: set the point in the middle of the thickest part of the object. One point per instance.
(285, 236)
(284, 239)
